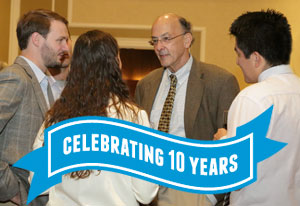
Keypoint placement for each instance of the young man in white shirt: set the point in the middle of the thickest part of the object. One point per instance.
(263, 47)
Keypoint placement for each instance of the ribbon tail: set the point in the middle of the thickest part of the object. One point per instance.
(272, 148)
(36, 156)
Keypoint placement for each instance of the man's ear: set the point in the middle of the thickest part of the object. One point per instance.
(257, 59)
(36, 39)
(260, 63)
(188, 38)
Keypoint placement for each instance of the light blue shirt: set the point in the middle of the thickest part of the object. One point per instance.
(43, 80)
(177, 118)
(57, 86)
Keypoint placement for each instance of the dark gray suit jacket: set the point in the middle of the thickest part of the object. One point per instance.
(210, 91)
(22, 111)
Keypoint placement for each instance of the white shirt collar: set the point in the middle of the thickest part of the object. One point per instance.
(280, 69)
(183, 72)
(51, 80)
(40, 75)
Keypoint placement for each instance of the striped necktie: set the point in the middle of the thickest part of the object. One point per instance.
(165, 117)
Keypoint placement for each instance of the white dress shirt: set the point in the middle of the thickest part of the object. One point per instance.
(278, 177)
(57, 86)
(177, 117)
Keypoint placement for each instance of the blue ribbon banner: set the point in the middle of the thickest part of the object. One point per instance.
(195, 166)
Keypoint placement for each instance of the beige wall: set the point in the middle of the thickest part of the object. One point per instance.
(27, 5)
(4, 28)
(213, 15)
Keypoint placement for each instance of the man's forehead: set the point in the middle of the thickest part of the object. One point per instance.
(58, 28)
(57, 24)
(165, 27)
(160, 35)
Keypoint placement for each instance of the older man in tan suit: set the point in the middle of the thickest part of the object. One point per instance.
(203, 92)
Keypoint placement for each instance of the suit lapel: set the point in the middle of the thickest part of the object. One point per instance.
(194, 93)
(35, 84)
(152, 88)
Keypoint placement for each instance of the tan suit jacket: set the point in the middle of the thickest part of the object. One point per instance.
(210, 91)
(22, 111)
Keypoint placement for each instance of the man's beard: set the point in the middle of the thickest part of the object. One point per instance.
(65, 60)
(50, 58)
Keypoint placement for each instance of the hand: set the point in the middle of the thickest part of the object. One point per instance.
(16, 199)
(220, 133)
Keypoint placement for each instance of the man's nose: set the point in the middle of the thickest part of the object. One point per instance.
(159, 45)
(65, 46)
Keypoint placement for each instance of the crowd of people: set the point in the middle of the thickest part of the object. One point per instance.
(50, 82)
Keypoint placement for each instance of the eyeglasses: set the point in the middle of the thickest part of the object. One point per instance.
(164, 39)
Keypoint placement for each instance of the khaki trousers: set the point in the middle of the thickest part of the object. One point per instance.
(171, 197)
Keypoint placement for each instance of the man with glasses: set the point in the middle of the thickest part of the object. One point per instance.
(185, 97)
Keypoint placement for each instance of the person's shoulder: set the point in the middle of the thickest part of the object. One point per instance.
(13, 69)
(133, 107)
(131, 112)
(156, 73)
(275, 85)
(213, 75)
(255, 91)
(17, 67)
(212, 69)
(16, 74)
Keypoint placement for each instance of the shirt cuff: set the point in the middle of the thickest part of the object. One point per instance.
(212, 199)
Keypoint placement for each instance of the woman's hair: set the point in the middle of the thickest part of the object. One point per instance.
(94, 82)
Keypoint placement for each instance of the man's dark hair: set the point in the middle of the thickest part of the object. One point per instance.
(266, 32)
(36, 21)
(187, 27)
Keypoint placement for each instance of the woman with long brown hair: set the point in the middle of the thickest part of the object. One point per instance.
(95, 88)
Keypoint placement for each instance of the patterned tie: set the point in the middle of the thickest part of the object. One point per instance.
(49, 93)
(165, 117)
